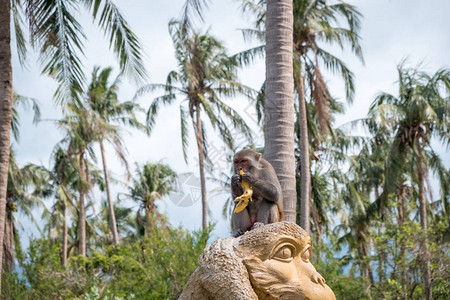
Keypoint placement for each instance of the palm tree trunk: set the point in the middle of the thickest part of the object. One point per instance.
(201, 159)
(317, 222)
(318, 226)
(380, 251)
(8, 242)
(49, 233)
(112, 215)
(305, 199)
(400, 208)
(370, 274)
(402, 256)
(6, 95)
(279, 102)
(380, 263)
(423, 223)
(82, 213)
(148, 221)
(422, 197)
(65, 237)
(366, 269)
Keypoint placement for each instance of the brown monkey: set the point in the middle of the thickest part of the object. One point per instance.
(267, 200)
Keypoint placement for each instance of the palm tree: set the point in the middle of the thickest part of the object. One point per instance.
(82, 128)
(19, 180)
(58, 37)
(313, 25)
(62, 181)
(20, 198)
(355, 187)
(205, 75)
(102, 99)
(153, 181)
(279, 100)
(356, 236)
(6, 99)
(125, 224)
(418, 113)
(315, 22)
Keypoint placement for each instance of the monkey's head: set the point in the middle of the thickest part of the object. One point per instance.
(277, 259)
(245, 160)
(269, 262)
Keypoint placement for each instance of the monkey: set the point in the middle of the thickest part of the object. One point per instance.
(267, 200)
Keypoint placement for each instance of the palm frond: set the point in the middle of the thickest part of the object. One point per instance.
(336, 65)
(153, 87)
(59, 38)
(253, 34)
(25, 102)
(352, 16)
(16, 8)
(153, 108)
(184, 132)
(192, 9)
(124, 42)
(247, 57)
(234, 117)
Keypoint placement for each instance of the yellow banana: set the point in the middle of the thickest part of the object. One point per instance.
(245, 197)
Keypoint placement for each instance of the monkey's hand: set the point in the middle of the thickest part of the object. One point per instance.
(247, 177)
(235, 179)
(242, 201)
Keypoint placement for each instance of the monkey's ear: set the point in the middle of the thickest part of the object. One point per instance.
(257, 156)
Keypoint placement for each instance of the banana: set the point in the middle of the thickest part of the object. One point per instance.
(245, 197)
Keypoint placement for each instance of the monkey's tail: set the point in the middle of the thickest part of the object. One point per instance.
(281, 215)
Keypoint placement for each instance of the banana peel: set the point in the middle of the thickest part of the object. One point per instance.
(242, 201)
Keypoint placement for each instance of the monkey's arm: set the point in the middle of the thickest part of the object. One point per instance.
(236, 188)
(266, 186)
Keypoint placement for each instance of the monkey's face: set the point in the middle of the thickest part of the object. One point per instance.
(287, 273)
(241, 163)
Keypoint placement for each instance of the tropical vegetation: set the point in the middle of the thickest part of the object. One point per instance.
(365, 191)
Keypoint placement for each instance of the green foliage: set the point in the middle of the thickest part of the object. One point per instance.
(375, 185)
(399, 256)
(156, 267)
(397, 264)
(345, 285)
(13, 286)
(42, 276)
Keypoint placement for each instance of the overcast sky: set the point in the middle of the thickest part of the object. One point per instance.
(391, 31)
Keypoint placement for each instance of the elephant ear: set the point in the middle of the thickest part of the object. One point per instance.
(223, 275)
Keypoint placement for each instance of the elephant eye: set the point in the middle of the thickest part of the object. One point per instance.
(306, 253)
(285, 253)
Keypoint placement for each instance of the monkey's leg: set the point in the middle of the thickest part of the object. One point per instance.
(268, 213)
(240, 223)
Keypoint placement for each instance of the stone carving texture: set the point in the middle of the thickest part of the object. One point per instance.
(269, 262)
